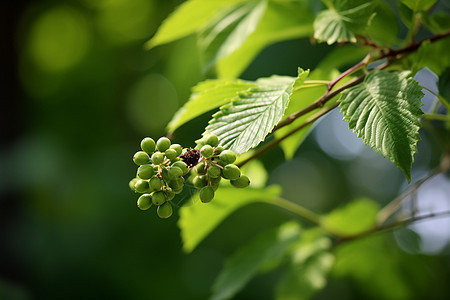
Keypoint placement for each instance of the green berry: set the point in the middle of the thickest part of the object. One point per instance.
(163, 144)
(206, 151)
(214, 187)
(165, 174)
(145, 171)
(176, 183)
(157, 158)
(148, 145)
(175, 172)
(171, 154)
(227, 156)
(211, 140)
(144, 202)
(181, 165)
(231, 172)
(200, 168)
(164, 211)
(206, 194)
(218, 150)
(141, 186)
(132, 183)
(178, 190)
(199, 182)
(169, 193)
(214, 181)
(141, 158)
(241, 182)
(213, 171)
(155, 183)
(177, 148)
(158, 198)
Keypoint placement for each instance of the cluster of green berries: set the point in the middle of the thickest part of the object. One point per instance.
(215, 163)
(163, 167)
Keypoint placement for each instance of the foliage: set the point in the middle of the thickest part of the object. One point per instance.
(378, 97)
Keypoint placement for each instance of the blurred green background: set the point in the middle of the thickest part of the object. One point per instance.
(80, 92)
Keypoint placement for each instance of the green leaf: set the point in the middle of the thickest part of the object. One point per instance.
(355, 217)
(188, 18)
(206, 96)
(247, 120)
(248, 260)
(336, 23)
(419, 5)
(199, 219)
(385, 112)
(229, 30)
(427, 54)
(282, 20)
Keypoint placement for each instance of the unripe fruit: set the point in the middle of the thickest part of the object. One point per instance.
(211, 139)
(241, 182)
(132, 183)
(164, 211)
(163, 144)
(165, 174)
(206, 151)
(176, 183)
(218, 150)
(148, 145)
(141, 158)
(215, 181)
(155, 184)
(181, 165)
(144, 202)
(171, 154)
(145, 171)
(157, 158)
(214, 187)
(175, 172)
(206, 194)
(158, 198)
(213, 171)
(170, 194)
(178, 190)
(227, 156)
(199, 182)
(200, 169)
(177, 148)
(231, 172)
(141, 186)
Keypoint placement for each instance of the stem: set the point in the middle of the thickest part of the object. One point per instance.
(402, 223)
(438, 117)
(297, 210)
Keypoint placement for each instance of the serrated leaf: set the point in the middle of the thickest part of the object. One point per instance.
(282, 20)
(188, 18)
(229, 30)
(335, 24)
(247, 120)
(206, 96)
(246, 262)
(199, 219)
(384, 110)
(355, 217)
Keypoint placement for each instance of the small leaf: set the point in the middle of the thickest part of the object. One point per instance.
(229, 30)
(353, 218)
(247, 120)
(335, 24)
(246, 262)
(307, 273)
(205, 96)
(385, 112)
(198, 220)
(188, 18)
